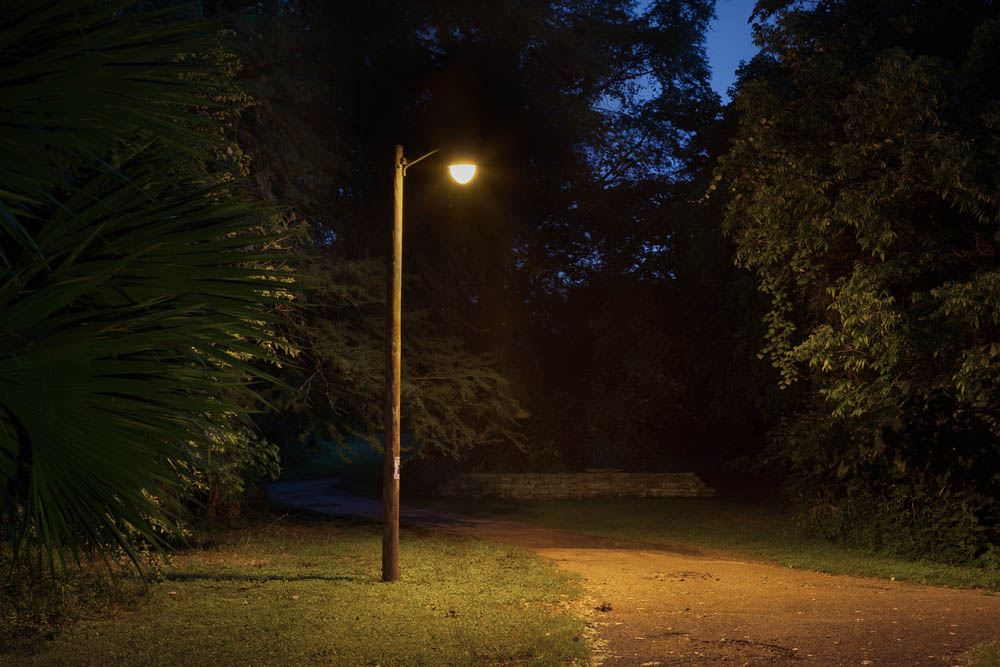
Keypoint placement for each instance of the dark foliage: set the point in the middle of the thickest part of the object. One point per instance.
(134, 287)
(583, 118)
(864, 190)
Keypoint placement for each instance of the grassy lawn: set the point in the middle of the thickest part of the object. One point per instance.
(985, 656)
(743, 529)
(306, 591)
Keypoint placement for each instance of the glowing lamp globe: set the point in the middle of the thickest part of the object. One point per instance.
(462, 173)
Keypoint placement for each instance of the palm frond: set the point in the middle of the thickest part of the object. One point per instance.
(76, 78)
(134, 299)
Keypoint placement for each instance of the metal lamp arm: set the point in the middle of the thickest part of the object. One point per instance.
(407, 163)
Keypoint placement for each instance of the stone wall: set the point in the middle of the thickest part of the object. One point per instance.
(527, 486)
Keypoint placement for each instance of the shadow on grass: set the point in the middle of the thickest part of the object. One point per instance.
(481, 508)
(307, 516)
(251, 578)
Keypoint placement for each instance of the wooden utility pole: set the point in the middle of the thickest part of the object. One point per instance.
(393, 373)
(462, 173)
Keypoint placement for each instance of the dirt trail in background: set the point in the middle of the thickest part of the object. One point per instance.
(675, 605)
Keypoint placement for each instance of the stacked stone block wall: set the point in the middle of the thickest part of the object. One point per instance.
(543, 486)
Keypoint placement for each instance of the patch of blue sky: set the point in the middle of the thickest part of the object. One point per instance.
(729, 42)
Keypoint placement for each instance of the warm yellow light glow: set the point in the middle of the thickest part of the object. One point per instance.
(462, 173)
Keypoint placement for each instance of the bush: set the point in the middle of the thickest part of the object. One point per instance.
(907, 521)
(924, 486)
(35, 604)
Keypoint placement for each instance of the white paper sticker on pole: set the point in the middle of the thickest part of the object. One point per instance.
(395, 469)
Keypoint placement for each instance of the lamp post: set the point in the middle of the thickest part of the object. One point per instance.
(462, 173)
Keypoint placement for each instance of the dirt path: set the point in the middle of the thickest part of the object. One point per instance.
(673, 605)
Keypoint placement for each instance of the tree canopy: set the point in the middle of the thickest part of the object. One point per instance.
(573, 111)
(802, 284)
(864, 190)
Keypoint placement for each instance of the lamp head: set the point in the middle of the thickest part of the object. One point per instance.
(462, 172)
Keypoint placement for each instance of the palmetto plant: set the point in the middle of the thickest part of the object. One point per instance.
(131, 294)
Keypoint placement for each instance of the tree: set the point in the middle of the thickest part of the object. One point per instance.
(571, 108)
(864, 187)
(134, 285)
(305, 159)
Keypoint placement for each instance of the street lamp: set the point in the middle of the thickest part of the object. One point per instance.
(462, 173)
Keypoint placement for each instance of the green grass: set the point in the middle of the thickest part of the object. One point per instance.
(307, 592)
(744, 529)
(987, 655)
